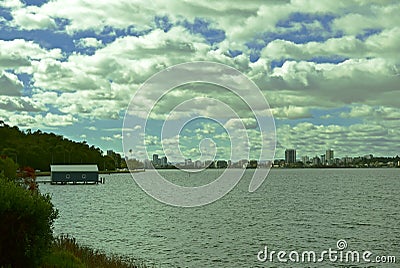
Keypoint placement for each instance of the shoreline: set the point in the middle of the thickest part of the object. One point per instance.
(48, 173)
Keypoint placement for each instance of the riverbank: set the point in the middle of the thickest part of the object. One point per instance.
(109, 172)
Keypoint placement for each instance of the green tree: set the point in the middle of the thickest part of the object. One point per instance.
(8, 168)
(26, 219)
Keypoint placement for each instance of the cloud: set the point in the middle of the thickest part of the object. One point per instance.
(330, 85)
(89, 42)
(29, 50)
(92, 128)
(10, 84)
(137, 127)
(117, 136)
(11, 4)
(30, 18)
(49, 120)
(291, 112)
(384, 44)
(372, 113)
(13, 103)
(379, 15)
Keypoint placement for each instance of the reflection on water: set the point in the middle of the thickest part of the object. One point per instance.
(307, 209)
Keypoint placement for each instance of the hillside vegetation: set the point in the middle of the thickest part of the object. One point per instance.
(39, 150)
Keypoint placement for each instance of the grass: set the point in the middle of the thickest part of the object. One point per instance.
(65, 252)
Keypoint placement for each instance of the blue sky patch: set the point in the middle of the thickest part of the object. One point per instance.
(163, 23)
(34, 2)
(201, 26)
(6, 14)
(367, 33)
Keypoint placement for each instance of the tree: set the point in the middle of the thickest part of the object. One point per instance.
(8, 168)
(39, 150)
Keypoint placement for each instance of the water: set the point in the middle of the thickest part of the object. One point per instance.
(295, 209)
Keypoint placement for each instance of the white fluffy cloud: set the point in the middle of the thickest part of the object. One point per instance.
(384, 45)
(24, 119)
(89, 42)
(31, 18)
(10, 84)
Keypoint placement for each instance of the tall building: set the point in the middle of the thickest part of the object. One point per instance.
(329, 157)
(323, 159)
(290, 156)
(164, 161)
(156, 160)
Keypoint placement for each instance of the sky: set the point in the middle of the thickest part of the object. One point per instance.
(330, 70)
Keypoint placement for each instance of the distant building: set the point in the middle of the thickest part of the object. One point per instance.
(189, 163)
(323, 159)
(316, 161)
(347, 160)
(156, 160)
(198, 164)
(74, 174)
(164, 161)
(329, 157)
(290, 156)
(305, 159)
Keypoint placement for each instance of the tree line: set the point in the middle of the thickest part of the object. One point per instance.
(39, 150)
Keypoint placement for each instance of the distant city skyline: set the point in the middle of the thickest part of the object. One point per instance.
(290, 157)
(290, 161)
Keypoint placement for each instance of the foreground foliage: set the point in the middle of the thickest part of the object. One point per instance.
(26, 235)
(26, 219)
(67, 253)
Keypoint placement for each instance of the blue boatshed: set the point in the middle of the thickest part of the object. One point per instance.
(64, 174)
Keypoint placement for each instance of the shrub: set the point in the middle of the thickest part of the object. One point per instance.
(26, 219)
(68, 253)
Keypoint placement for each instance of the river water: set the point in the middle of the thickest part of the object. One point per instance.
(294, 210)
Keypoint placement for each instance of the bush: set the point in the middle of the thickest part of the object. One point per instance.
(61, 259)
(66, 252)
(26, 219)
